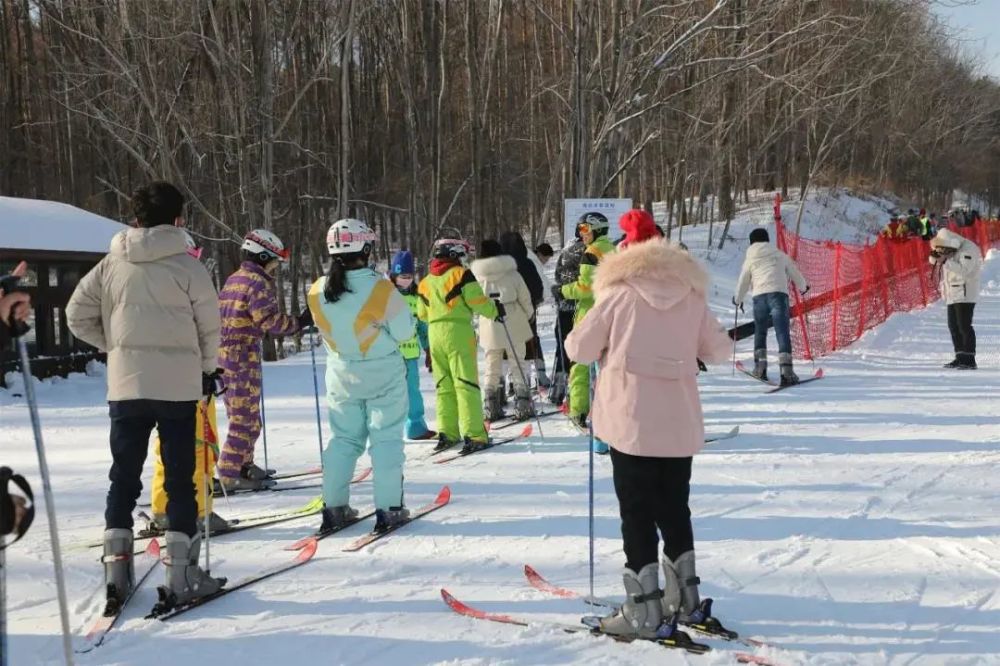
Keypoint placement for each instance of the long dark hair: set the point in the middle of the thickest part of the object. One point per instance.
(336, 277)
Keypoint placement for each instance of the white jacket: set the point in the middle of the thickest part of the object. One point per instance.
(960, 272)
(546, 282)
(767, 269)
(498, 275)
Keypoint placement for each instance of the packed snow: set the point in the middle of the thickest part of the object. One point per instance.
(853, 521)
(34, 224)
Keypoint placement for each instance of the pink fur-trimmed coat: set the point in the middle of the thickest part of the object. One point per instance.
(650, 325)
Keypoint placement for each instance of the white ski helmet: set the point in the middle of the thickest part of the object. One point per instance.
(264, 242)
(456, 249)
(349, 236)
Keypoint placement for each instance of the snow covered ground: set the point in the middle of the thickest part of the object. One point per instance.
(854, 521)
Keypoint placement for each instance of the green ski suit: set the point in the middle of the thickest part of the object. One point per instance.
(582, 291)
(449, 297)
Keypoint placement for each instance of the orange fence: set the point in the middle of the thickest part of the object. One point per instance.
(854, 288)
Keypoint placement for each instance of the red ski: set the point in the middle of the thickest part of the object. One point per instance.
(441, 500)
(528, 429)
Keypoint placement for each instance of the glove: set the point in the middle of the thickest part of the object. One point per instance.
(557, 293)
(427, 361)
(13, 305)
(305, 319)
(733, 301)
(211, 383)
(501, 311)
(701, 365)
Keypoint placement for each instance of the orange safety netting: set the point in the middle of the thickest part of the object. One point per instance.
(853, 288)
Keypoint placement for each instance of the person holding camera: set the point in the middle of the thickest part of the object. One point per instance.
(957, 263)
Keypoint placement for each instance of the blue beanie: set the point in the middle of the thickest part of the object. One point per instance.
(402, 263)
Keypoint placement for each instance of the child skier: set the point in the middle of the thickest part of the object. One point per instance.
(449, 297)
(401, 273)
(768, 270)
(363, 319)
(497, 274)
(249, 308)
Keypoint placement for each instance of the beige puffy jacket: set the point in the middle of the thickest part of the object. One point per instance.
(960, 272)
(767, 270)
(153, 308)
(498, 275)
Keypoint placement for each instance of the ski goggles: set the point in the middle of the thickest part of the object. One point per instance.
(585, 227)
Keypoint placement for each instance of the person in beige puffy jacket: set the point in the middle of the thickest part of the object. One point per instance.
(649, 326)
(153, 308)
(497, 275)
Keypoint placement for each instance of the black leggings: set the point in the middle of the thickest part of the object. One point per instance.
(963, 335)
(562, 362)
(653, 493)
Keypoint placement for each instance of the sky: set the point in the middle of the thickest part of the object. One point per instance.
(980, 21)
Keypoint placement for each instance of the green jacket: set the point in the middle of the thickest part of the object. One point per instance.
(414, 346)
(582, 291)
(453, 296)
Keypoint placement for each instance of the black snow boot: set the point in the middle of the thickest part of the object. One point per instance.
(788, 376)
(953, 364)
(966, 361)
(760, 364)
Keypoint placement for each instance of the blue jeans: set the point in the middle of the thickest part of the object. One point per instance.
(773, 305)
(415, 423)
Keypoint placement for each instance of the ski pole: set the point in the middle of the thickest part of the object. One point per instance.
(50, 509)
(319, 420)
(590, 514)
(520, 369)
(736, 320)
(263, 413)
(206, 480)
(3, 601)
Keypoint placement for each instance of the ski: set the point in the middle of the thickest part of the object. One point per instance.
(505, 423)
(277, 487)
(295, 475)
(493, 443)
(240, 525)
(110, 615)
(441, 500)
(321, 534)
(711, 628)
(742, 368)
(304, 555)
(462, 608)
(816, 376)
(731, 433)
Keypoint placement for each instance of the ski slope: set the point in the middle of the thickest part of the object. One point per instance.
(854, 521)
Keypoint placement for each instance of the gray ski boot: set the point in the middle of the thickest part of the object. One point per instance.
(229, 484)
(254, 473)
(119, 568)
(642, 613)
(557, 392)
(186, 580)
(524, 409)
(493, 405)
(386, 519)
(216, 523)
(338, 517)
(760, 364)
(680, 587)
(788, 376)
(541, 378)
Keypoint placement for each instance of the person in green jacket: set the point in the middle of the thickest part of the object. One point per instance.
(401, 273)
(592, 229)
(449, 297)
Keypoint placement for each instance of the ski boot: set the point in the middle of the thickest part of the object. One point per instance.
(557, 392)
(966, 361)
(337, 517)
(581, 421)
(541, 378)
(386, 519)
(229, 484)
(788, 376)
(473, 445)
(642, 613)
(254, 473)
(760, 364)
(216, 523)
(119, 568)
(954, 364)
(680, 597)
(524, 409)
(601, 447)
(186, 581)
(444, 443)
(426, 436)
(493, 405)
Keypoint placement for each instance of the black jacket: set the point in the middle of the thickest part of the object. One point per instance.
(513, 245)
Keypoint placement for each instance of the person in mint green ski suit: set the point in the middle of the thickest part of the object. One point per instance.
(592, 229)
(401, 273)
(363, 319)
(449, 297)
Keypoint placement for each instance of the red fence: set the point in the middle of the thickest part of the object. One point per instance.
(854, 288)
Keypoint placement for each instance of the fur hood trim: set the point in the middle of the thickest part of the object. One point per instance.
(654, 260)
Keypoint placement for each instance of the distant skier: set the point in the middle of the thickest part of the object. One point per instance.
(650, 323)
(250, 310)
(497, 273)
(154, 309)
(363, 319)
(449, 297)
(567, 272)
(767, 270)
(402, 274)
(958, 263)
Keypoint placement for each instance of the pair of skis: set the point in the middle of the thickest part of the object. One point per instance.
(493, 443)
(779, 387)
(277, 487)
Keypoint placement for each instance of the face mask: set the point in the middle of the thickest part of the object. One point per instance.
(404, 282)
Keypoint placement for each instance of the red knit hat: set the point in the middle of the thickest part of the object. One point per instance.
(638, 226)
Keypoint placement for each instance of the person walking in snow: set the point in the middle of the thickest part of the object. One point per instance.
(497, 274)
(592, 229)
(767, 270)
(567, 272)
(958, 263)
(250, 310)
(363, 320)
(402, 274)
(449, 297)
(153, 308)
(650, 323)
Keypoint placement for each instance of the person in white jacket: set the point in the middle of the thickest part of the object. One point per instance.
(497, 274)
(767, 270)
(959, 262)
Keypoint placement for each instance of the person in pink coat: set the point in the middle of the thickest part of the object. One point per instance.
(650, 325)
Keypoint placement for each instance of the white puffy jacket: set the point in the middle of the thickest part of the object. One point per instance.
(959, 272)
(498, 275)
(767, 269)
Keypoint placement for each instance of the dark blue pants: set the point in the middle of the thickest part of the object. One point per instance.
(773, 305)
(132, 422)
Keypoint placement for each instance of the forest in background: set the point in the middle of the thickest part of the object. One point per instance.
(482, 115)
